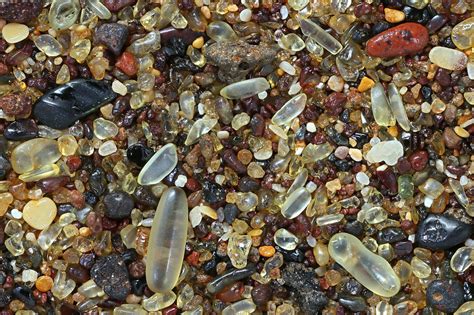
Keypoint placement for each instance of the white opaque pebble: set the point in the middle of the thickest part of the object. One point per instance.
(447, 58)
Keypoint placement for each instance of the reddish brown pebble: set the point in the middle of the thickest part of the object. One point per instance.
(117, 5)
(418, 160)
(402, 40)
(231, 293)
(127, 63)
(16, 104)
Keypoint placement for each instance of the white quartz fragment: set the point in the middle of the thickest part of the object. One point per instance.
(385, 151)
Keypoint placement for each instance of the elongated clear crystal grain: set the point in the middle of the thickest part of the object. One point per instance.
(397, 107)
(167, 241)
(246, 88)
(290, 110)
(160, 165)
(319, 35)
(380, 108)
(371, 270)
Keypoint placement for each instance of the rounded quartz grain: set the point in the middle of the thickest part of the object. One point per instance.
(167, 241)
(39, 214)
(401, 40)
(159, 165)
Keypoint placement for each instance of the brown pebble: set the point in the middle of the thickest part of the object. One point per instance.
(16, 104)
(451, 139)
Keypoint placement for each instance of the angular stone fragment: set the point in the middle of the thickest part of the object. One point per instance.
(236, 59)
(112, 35)
(61, 107)
(118, 205)
(111, 274)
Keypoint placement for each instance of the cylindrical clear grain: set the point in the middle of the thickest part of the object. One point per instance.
(167, 241)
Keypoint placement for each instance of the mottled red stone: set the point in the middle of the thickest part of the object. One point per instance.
(418, 160)
(402, 40)
(127, 63)
(231, 293)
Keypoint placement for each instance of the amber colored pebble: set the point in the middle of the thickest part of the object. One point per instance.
(401, 40)
(44, 283)
(365, 84)
(231, 293)
(127, 63)
(266, 251)
(440, 203)
(393, 16)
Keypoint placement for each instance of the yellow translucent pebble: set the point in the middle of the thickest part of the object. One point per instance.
(371, 270)
(167, 241)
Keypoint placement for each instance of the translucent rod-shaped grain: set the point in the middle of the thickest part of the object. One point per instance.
(396, 105)
(296, 202)
(462, 259)
(319, 35)
(459, 192)
(371, 270)
(246, 88)
(199, 128)
(167, 241)
(159, 166)
(290, 110)
(381, 110)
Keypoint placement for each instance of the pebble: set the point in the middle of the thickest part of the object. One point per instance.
(20, 11)
(139, 154)
(112, 35)
(77, 272)
(353, 303)
(445, 295)
(111, 274)
(159, 165)
(393, 16)
(118, 205)
(15, 32)
(451, 139)
(303, 281)
(39, 214)
(20, 130)
(60, 107)
(117, 5)
(448, 58)
(5, 166)
(441, 232)
(16, 104)
(33, 154)
(401, 40)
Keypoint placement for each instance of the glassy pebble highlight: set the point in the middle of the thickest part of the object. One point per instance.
(371, 270)
(167, 241)
(160, 165)
(246, 88)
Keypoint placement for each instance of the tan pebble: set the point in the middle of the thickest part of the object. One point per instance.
(394, 16)
(15, 32)
(39, 214)
(198, 42)
(461, 132)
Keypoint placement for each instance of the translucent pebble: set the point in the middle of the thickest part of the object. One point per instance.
(49, 45)
(420, 269)
(459, 192)
(371, 270)
(187, 104)
(159, 301)
(287, 67)
(290, 110)
(299, 181)
(67, 145)
(462, 259)
(90, 289)
(63, 75)
(104, 129)
(448, 58)
(129, 309)
(463, 34)
(147, 44)
(245, 15)
(298, 4)
(432, 188)
(221, 31)
(14, 244)
(39, 214)
(240, 120)
(199, 128)
(372, 215)
(15, 32)
(383, 308)
(63, 13)
(397, 107)
(167, 241)
(329, 219)
(98, 9)
(386, 151)
(119, 87)
(319, 35)
(107, 148)
(238, 249)
(285, 239)
(362, 178)
(159, 166)
(296, 202)
(313, 47)
(317, 152)
(34, 154)
(380, 107)
(465, 309)
(246, 306)
(150, 19)
(62, 286)
(291, 42)
(406, 187)
(244, 89)
(29, 275)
